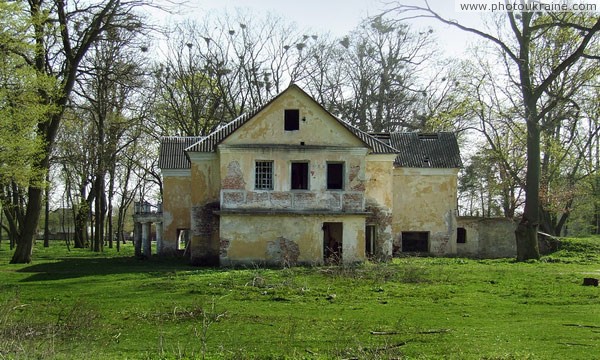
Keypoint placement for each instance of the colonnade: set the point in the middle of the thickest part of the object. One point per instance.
(145, 215)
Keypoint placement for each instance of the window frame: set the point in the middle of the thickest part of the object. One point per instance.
(264, 175)
(291, 119)
(306, 169)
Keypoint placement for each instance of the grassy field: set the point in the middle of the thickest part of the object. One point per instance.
(77, 304)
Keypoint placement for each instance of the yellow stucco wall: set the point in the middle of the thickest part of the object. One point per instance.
(240, 162)
(206, 183)
(176, 207)
(379, 195)
(253, 225)
(266, 238)
(317, 127)
(425, 200)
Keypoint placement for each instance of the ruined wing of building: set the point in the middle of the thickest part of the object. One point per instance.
(289, 183)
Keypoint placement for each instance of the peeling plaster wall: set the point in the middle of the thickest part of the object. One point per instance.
(237, 170)
(285, 239)
(488, 237)
(176, 207)
(380, 201)
(425, 200)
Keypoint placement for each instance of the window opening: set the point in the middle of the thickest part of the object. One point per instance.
(299, 176)
(183, 238)
(461, 235)
(415, 241)
(426, 162)
(263, 175)
(370, 237)
(291, 119)
(335, 176)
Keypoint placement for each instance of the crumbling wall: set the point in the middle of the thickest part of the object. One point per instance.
(382, 218)
(234, 178)
(283, 252)
(205, 247)
(379, 202)
(282, 239)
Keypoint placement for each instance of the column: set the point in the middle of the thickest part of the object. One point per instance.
(146, 243)
(137, 239)
(159, 243)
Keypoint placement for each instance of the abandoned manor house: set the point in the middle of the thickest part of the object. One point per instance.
(290, 183)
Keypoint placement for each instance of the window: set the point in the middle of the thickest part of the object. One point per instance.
(263, 175)
(335, 176)
(299, 176)
(291, 119)
(415, 241)
(461, 235)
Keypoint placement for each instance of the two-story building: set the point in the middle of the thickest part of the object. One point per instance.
(290, 183)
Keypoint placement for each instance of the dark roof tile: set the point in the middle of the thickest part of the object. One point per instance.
(426, 150)
(172, 154)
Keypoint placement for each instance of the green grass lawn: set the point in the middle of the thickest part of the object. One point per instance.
(77, 304)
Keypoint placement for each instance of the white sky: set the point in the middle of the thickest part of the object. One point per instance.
(340, 16)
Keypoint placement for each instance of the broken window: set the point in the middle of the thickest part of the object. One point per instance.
(370, 236)
(299, 176)
(291, 119)
(335, 176)
(263, 175)
(415, 241)
(461, 235)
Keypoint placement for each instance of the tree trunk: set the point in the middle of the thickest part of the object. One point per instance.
(526, 233)
(47, 212)
(24, 243)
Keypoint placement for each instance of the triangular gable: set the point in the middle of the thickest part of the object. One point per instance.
(209, 144)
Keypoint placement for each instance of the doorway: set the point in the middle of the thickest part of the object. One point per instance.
(333, 233)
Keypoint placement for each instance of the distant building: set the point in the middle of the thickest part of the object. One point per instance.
(290, 183)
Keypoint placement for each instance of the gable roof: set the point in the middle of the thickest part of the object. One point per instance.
(424, 150)
(172, 151)
(210, 142)
(416, 150)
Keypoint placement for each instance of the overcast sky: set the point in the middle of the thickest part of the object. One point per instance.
(338, 17)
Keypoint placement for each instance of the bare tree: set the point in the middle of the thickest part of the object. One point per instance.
(518, 45)
(63, 33)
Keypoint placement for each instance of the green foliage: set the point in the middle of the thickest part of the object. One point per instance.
(21, 91)
(97, 306)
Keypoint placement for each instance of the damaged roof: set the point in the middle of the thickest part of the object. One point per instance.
(172, 151)
(424, 150)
